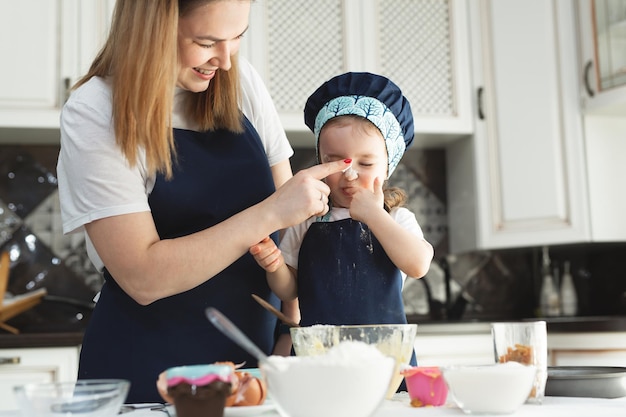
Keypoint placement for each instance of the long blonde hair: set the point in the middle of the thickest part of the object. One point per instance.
(140, 57)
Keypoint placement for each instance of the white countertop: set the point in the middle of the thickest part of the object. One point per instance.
(551, 407)
(400, 407)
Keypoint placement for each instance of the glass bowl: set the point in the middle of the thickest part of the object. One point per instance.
(85, 398)
(394, 340)
(499, 388)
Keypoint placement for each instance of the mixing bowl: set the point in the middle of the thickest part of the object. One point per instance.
(350, 379)
(87, 398)
(394, 340)
(499, 388)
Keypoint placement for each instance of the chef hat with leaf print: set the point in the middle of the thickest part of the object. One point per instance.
(368, 95)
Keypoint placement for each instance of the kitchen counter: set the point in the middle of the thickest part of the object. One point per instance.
(35, 340)
(399, 407)
(554, 324)
(551, 407)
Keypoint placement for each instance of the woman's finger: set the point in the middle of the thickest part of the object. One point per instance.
(321, 171)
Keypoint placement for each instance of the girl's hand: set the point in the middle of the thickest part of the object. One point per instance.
(267, 255)
(365, 202)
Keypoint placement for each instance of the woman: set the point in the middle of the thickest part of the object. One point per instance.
(174, 163)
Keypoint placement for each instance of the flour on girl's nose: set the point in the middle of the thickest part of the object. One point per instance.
(350, 173)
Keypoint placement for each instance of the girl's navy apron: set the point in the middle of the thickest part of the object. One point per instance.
(345, 277)
(217, 175)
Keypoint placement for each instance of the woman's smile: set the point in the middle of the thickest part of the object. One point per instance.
(204, 73)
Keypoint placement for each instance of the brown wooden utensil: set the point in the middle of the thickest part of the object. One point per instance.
(274, 311)
(16, 304)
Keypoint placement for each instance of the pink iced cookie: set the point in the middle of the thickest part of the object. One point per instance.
(426, 386)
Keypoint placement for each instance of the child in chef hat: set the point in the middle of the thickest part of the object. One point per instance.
(348, 267)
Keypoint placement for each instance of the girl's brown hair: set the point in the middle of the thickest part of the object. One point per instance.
(140, 57)
(394, 196)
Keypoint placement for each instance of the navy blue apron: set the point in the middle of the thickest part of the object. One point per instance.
(346, 278)
(217, 175)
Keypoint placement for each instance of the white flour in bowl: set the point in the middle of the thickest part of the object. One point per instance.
(350, 379)
(395, 340)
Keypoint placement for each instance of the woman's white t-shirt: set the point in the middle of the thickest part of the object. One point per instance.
(95, 179)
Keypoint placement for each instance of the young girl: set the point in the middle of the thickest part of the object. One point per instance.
(348, 266)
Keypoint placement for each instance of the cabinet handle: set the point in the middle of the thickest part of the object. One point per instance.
(588, 67)
(479, 101)
(65, 90)
(10, 361)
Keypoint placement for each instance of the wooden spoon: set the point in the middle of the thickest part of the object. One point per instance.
(274, 311)
(4, 274)
(4, 281)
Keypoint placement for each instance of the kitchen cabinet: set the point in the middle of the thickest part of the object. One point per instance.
(586, 357)
(48, 44)
(587, 349)
(471, 344)
(453, 349)
(422, 45)
(522, 179)
(604, 147)
(602, 26)
(537, 171)
(25, 365)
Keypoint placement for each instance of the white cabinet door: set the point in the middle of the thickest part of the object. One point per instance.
(454, 344)
(605, 143)
(452, 349)
(587, 349)
(46, 45)
(520, 181)
(421, 45)
(602, 26)
(34, 365)
(588, 357)
(31, 75)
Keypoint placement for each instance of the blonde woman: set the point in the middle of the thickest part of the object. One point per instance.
(174, 163)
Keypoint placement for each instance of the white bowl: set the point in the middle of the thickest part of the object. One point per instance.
(499, 388)
(351, 379)
(85, 398)
(394, 340)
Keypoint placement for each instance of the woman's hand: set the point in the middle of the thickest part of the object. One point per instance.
(149, 268)
(305, 194)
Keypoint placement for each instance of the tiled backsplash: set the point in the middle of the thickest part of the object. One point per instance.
(41, 256)
(488, 285)
(493, 284)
